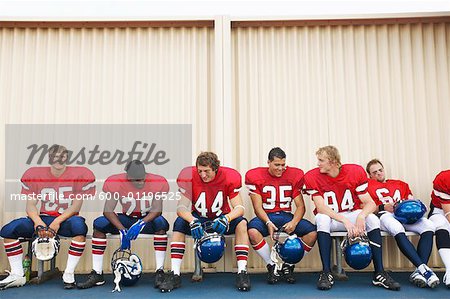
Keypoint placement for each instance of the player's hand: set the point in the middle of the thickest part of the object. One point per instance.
(125, 243)
(350, 227)
(389, 207)
(220, 224)
(135, 229)
(360, 225)
(272, 228)
(196, 229)
(290, 226)
(39, 228)
(54, 226)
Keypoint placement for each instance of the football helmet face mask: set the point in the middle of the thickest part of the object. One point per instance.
(211, 246)
(357, 251)
(290, 250)
(127, 268)
(409, 211)
(45, 248)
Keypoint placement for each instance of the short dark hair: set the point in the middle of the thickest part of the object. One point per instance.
(135, 169)
(276, 152)
(208, 159)
(372, 162)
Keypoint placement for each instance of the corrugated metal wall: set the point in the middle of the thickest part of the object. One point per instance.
(371, 90)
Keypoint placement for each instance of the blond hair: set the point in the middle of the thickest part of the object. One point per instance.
(331, 153)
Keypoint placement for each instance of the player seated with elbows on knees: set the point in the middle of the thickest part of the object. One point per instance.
(272, 191)
(140, 195)
(59, 189)
(210, 193)
(386, 194)
(342, 203)
(440, 216)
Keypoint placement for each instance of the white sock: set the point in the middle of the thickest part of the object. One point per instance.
(445, 256)
(242, 266)
(75, 252)
(97, 263)
(160, 245)
(177, 252)
(98, 250)
(14, 252)
(263, 250)
(160, 256)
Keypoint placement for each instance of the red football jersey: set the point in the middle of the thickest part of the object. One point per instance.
(441, 189)
(136, 202)
(340, 193)
(56, 193)
(210, 199)
(391, 191)
(277, 192)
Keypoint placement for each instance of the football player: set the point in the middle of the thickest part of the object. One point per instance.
(440, 215)
(213, 192)
(272, 190)
(59, 189)
(386, 193)
(140, 194)
(342, 203)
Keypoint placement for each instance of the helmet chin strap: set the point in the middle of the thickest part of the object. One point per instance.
(117, 278)
(275, 257)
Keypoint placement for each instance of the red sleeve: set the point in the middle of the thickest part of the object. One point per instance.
(298, 184)
(250, 182)
(234, 183)
(28, 183)
(86, 182)
(184, 182)
(311, 187)
(108, 186)
(441, 188)
(362, 182)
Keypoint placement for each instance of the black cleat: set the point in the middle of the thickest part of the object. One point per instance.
(69, 285)
(243, 281)
(272, 274)
(94, 279)
(288, 273)
(171, 281)
(159, 277)
(325, 281)
(383, 279)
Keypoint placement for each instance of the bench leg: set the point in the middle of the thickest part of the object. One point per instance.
(198, 272)
(338, 272)
(45, 275)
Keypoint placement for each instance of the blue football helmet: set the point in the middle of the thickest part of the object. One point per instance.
(357, 251)
(211, 246)
(127, 268)
(290, 250)
(409, 211)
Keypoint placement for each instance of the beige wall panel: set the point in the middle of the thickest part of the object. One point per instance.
(106, 76)
(371, 90)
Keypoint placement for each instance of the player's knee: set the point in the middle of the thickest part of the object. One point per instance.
(161, 225)
(372, 222)
(78, 226)
(254, 235)
(427, 225)
(241, 228)
(100, 224)
(6, 232)
(323, 223)
(439, 221)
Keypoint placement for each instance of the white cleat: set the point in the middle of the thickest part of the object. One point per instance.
(417, 279)
(446, 280)
(12, 280)
(431, 277)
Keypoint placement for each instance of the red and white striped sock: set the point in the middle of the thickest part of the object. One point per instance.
(160, 244)
(306, 247)
(75, 251)
(176, 254)
(98, 250)
(241, 256)
(262, 248)
(14, 252)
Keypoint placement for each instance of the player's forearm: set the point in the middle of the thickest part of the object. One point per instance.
(261, 214)
(33, 213)
(112, 217)
(324, 209)
(236, 212)
(186, 215)
(151, 216)
(369, 208)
